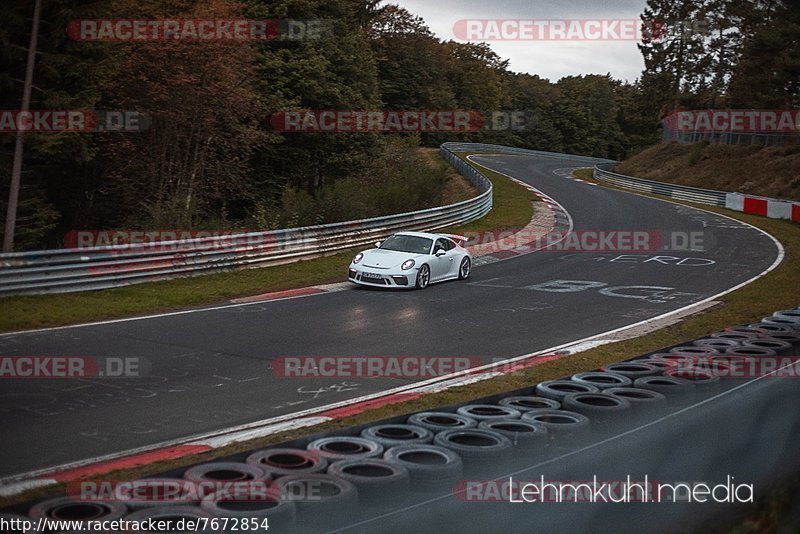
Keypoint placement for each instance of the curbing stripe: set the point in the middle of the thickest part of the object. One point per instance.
(128, 462)
(355, 409)
(174, 451)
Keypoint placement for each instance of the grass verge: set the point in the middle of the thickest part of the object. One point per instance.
(512, 204)
(767, 515)
(512, 209)
(456, 188)
(747, 169)
(778, 289)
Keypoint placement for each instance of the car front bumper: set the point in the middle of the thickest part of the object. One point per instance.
(380, 278)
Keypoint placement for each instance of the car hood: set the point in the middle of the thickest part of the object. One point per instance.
(377, 258)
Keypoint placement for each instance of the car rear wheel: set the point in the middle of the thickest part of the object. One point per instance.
(423, 277)
(464, 269)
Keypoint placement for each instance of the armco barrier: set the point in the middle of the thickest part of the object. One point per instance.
(764, 206)
(67, 270)
(680, 192)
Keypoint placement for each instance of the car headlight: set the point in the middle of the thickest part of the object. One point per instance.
(358, 258)
(407, 265)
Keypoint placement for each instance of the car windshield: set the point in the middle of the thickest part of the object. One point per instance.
(408, 243)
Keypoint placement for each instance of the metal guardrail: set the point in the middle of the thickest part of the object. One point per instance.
(679, 192)
(773, 208)
(601, 172)
(81, 269)
(764, 206)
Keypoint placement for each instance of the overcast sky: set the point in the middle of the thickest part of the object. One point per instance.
(552, 59)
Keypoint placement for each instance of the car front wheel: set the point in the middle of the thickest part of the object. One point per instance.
(423, 277)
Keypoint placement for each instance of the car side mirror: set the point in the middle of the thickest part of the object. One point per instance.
(439, 253)
(377, 244)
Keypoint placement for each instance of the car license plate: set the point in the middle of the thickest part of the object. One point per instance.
(370, 275)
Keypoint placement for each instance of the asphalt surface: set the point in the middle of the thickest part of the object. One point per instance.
(210, 369)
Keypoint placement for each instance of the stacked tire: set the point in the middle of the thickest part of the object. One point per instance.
(327, 484)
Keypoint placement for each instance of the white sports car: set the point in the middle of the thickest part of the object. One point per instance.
(412, 259)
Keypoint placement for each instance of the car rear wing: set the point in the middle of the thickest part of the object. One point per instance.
(457, 238)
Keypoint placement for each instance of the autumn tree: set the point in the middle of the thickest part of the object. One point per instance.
(67, 76)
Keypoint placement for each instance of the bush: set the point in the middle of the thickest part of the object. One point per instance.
(402, 179)
(696, 152)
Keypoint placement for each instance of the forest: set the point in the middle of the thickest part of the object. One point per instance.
(211, 157)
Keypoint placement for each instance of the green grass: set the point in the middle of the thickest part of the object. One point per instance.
(512, 209)
(750, 169)
(778, 289)
(457, 188)
(767, 514)
(512, 205)
(36, 311)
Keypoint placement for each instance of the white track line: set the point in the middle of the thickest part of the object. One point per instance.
(328, 288)
(220, 435)
(571, 453)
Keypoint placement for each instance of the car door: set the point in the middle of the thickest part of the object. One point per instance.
(452, 255)
(440, 264)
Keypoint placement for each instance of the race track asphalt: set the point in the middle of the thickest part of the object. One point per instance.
(210, 369)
